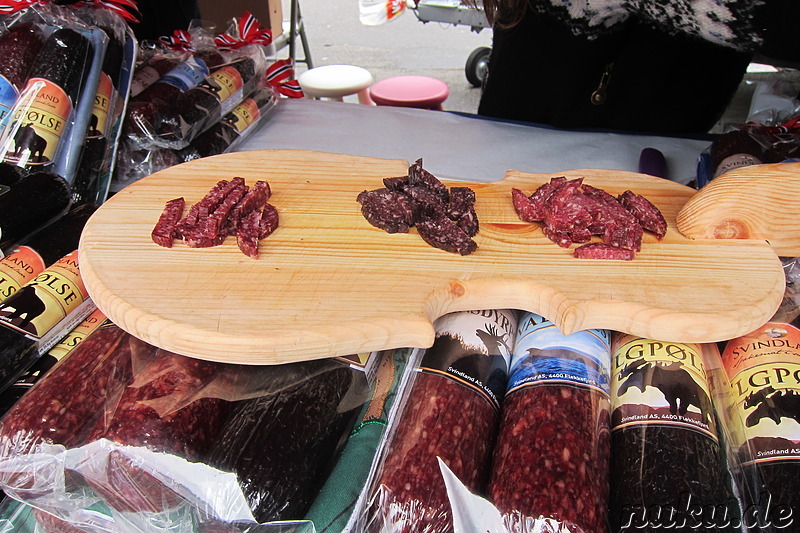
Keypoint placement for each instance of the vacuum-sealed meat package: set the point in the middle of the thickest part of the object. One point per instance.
(451, 412)
(283, 443)
(551, 462)
(668, 467)
(152, 439)
(764, 371)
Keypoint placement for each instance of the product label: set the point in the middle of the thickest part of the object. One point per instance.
(8, 95)
(38, 121)
(103, 99)
(764, 369)
(474, 348)
(187, 74)
(736, 161)
(44, 301)
(78, 334)
(18, 268)
(243, 115)
(543, 355)
(144, 78)
(225, 84)
(654, 382)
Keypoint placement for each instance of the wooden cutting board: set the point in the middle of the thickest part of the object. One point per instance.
(328, 283)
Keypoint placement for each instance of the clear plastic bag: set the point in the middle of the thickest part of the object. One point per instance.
(122, 432)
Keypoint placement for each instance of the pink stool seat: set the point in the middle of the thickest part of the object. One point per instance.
(410, 91)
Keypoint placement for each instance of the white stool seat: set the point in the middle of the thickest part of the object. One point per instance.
(336, 82)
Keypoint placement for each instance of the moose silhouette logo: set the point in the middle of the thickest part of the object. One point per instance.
(772, 404)
(27, 138)
(22, 308)
(675, 383)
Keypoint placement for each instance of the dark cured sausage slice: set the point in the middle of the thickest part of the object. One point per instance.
(444, 218)
(389, 210)
(443, 233)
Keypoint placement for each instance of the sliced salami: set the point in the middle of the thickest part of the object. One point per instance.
(648, 215)
(600, 250)
(164, 232)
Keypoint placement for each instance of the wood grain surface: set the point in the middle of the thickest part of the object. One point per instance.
(328, 283)
(754, 202)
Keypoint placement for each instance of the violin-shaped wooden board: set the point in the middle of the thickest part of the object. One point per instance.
(754, 202)
(327, 283)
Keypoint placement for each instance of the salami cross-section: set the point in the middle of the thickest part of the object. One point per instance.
(572, 212)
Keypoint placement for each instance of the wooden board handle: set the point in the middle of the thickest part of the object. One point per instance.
(756, 202)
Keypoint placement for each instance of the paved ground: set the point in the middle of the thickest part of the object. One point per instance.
(404, 45)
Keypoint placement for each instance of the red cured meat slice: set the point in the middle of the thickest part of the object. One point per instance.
(247, 234)
(269, 221)
(543, 193)
(648, 215)
(255, 198)
(163, 232)
(526, 210)
(599, 250)
(201, 209)
(216, 224)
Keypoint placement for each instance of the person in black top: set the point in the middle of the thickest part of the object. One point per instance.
(162, 18)
(661, 66)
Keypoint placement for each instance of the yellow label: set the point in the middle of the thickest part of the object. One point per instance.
(38, 123)
(77, 335)
(764, 369)
(245, 115)
(223, 83)
(103, 99)
(654, 382)
(42, 302)
(18, 268)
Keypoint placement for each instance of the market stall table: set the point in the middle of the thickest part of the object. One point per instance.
(465, 147)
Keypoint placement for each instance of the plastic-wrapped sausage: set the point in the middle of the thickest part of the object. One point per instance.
(157, 411)
(667, 466)
(61, 407)
(451, 412)
(551, 459)
(764, 369)
(281, 444)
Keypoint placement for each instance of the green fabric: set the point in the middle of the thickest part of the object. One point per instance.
(16, 517)
(335, 503)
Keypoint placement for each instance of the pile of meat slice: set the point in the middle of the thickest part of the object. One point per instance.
(444, 217)
(231, 208)
(573, 212)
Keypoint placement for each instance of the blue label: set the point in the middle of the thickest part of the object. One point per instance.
(187, 74)
(8, 95)
(544, 355)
